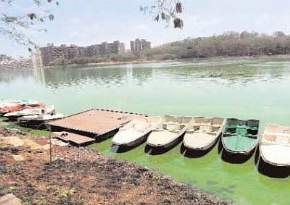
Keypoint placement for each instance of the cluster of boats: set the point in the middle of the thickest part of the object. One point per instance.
(239, 138)
(28, 113)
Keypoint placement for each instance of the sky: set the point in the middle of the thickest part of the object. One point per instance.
(93, 21)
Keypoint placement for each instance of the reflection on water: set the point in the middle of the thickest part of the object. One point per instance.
(8, 75)
(257, 89)
(118, 75)
(57, 77)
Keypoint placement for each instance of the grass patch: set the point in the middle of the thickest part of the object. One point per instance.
(12, 125)
(39, 133)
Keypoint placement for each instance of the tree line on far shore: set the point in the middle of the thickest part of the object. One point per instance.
(227, 44)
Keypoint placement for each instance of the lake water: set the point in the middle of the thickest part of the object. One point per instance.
(241, 88)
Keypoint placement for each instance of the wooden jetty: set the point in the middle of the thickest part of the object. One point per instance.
(74, 139)
(96, 123)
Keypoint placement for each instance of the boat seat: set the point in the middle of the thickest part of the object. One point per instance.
(229, 134)
(191, 131)
(252, 136)
(205, 128)
(211, 133)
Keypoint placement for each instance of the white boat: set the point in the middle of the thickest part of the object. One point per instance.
(15, 106)
(274, 145)
(9, 107)
(31, 111)
(4, 103)
(38, 120)
(202, 133)
(168, 132)
(133, 133)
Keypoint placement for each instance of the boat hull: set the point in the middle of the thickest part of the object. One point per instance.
(176, 137)
(133, 142)
(176, 141)
(128, 146)
(237, 157)
(160, 149)
(271, 169)
(245, 152)
(201, 147)
(35, 123)
(39, 124)
(239, 140)
(272, 155)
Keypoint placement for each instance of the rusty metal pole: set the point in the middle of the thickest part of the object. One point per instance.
(50, 149)
(50, 144)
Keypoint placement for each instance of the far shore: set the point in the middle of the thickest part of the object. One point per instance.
(152, 61)
(144, 61)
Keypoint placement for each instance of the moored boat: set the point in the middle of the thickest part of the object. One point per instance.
(15, 106)
(274, 145)
(30, 111)
(202, 133)
(10, 107)
(240, 136)
(133, 133)
(38, 120)
(168, 132)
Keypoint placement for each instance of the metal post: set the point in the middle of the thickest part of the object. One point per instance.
(50, 148)
(50, 143)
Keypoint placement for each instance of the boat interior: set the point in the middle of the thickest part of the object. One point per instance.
(173, 124)
(205, 125)
(245, 128)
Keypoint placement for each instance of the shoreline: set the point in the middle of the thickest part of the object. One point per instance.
(144, 61)
(83, 176)
(101, 64)
(136, 62)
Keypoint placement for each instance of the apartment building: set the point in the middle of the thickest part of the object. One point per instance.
(51, 53)
(139, 45)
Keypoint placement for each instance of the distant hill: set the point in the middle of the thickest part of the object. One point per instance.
(227, 44)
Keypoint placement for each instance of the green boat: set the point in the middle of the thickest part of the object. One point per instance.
(240, 136)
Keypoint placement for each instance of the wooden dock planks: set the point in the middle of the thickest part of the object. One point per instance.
(74, 138)
(94, 122)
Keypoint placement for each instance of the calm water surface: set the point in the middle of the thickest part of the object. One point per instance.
(229, 88)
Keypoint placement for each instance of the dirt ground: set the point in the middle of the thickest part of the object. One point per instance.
(82, 176)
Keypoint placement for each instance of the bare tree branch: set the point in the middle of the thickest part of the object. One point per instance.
(17, 27)
(166, 11)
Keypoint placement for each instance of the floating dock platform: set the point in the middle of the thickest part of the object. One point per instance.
(95, 123)
(75, 139)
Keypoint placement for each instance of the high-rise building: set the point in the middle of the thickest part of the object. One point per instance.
(145, 44)
(139, 45)
(132, 46)
(51, 53)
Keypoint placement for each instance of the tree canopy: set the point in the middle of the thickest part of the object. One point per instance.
(18, 20)
(228, 44)
(165, 11)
